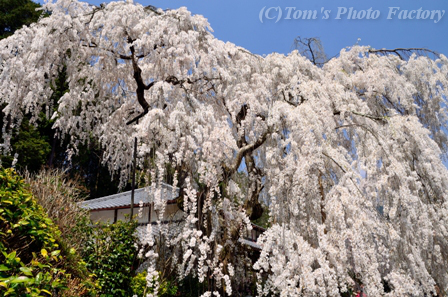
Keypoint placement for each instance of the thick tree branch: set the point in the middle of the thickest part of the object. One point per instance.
(247, 149)
(141, 87)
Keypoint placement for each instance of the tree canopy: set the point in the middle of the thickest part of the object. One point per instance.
(16, 13)
(347, 156)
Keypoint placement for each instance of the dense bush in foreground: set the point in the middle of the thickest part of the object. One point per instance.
(34, 262)
(110, 253)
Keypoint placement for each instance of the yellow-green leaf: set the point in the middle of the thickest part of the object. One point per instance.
(55, 253)
(10, 290)
(48, 292)
(44, 252)
(20, 279)
(26, 271)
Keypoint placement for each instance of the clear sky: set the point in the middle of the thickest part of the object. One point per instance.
(238, 21)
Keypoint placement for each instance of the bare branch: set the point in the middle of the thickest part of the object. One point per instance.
(372, 117)
(405, 52)
(312, 49)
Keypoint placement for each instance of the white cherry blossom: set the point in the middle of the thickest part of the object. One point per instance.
(347, 156)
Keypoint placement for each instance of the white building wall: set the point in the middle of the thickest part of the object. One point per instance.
(126, 212)
(102, 215)
(172, 212)
(123, 214)
(144, 214)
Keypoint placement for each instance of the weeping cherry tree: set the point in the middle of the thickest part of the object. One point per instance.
(346, 155)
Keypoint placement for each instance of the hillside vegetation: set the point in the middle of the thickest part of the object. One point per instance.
(35, 261)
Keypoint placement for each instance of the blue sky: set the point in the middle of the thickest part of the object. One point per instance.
(239, 22)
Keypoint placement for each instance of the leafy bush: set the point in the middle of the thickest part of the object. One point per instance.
(33, 263)
(139, 286)
(110, 252)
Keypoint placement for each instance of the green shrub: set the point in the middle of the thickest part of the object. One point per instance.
(32, 261)
(110, 254)
(139, 286)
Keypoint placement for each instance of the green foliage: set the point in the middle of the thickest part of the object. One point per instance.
(110, 254)
(59, 196)
(24, 229)
(139, 286)
(40, 278)
(33, 261)
(31, 147)
(16, 13)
